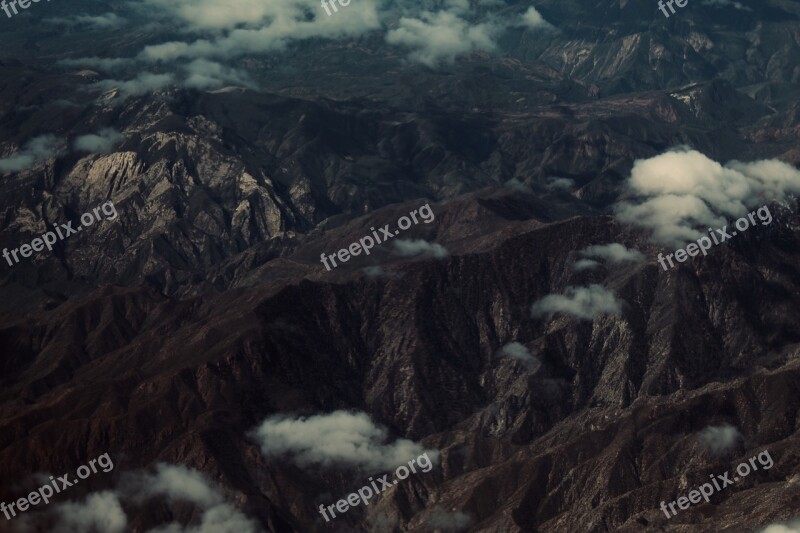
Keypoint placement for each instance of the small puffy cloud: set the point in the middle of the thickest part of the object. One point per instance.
(613, 253)
(141, 84)
(726, 3)
(35, 151)
(518, 351)
(442, 36)
(411, 247)
(444, 520)
(338, 438)
(680, 193)
(586, 303)
(561, 184)
(720, 439)
(533, 19)
(101, 142)
(100, 511)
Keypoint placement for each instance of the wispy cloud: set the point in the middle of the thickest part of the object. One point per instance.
(101, 142)
(519, 352)
(720, 439)
(613, 253)
(35, 151)
(141, 84)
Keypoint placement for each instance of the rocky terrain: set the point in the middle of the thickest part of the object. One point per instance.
(168, 334)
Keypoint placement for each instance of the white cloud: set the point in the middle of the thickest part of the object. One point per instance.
(338, 438)
(101, 142)
(561, 184)
(411, 247)
(179, 483)
(35, 151)
(143, 83)
(518, 351)
(447, 520)
(204, 74)
(794, 527)
(533, 19)
(220, 518)
(257, 26)
(720, 439)
(442, 36)
(585, 264)
(585, 303)
(675, 193)
(100, 511)
(613, 253)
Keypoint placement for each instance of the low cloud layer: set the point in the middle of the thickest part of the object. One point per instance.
(412, 247)
(255, 26)
(719, 440)
(519, 352)
(679, 194)
(338, 438)
(586, 303)
(35, 151)
(206, 37)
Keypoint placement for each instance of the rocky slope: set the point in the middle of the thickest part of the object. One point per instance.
(169, 333)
